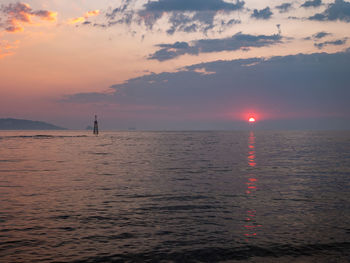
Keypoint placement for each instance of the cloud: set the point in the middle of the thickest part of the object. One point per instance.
(181, 15)
(92, 13)
(294, 86)
(182, 22)
(121, 14)
(191, 5)
(321, 34)
(19, 14)
(262, 14)
(312, 3)
(236, 42)
(7, 48)
(338, 42)
(318, 35)
(283, 8)
(339, 10)
(82, 19)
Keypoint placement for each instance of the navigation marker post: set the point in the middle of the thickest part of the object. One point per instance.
(95, 126)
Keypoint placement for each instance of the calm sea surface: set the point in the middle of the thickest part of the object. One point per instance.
(256, 196)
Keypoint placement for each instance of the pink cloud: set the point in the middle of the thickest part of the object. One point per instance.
(7, 48)
(83, 18)
(19, 14)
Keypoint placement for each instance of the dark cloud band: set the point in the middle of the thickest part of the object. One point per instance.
(262, 14)
(236, 42)
(294, 84)
(339, 10)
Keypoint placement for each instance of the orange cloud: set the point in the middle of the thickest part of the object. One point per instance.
(83, 18)
(7, 48)
(76, 20)
(46, 15)
(21, 13)
(92, 13)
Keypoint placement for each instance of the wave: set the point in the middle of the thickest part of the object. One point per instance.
(42, 136)
(243, 253)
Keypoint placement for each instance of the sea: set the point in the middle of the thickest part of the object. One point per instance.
(175, 196)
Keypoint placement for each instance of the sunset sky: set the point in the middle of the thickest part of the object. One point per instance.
(176, 64)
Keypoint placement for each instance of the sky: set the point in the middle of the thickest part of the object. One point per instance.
(176, 64)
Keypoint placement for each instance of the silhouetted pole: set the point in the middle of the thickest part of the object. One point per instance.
(96, 126)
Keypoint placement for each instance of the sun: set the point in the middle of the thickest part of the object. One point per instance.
(251, 119)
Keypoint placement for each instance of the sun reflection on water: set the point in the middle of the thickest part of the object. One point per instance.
(251, 224)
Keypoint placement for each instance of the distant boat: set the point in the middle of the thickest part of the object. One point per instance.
(95, 126)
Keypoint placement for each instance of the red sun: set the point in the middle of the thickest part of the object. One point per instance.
(251, 119)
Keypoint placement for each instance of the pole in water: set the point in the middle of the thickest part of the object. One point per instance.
(96, 126)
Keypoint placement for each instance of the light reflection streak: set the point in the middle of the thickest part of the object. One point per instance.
(251, 224)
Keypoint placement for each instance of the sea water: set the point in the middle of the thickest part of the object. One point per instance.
(255, 196)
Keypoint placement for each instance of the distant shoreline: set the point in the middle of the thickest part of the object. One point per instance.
(22, 124)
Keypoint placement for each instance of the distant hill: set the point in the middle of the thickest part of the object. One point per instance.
(18, 124)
